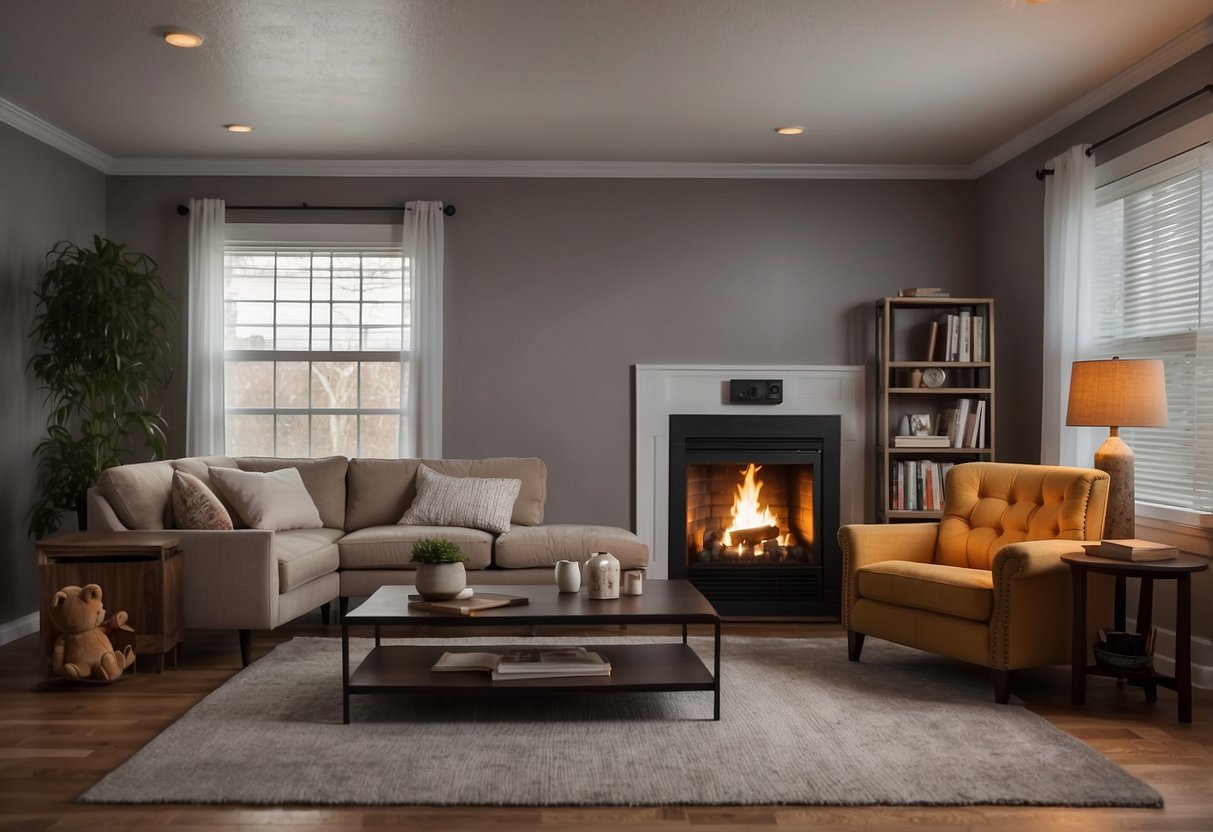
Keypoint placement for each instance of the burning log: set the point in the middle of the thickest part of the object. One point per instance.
(755, 535)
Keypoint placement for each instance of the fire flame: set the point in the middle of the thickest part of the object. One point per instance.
(747, 511)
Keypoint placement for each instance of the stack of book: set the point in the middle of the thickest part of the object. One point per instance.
(1131, 550)
(917, 485)
(958, 337)
(921, 442)
(965, 424)
(528, 663)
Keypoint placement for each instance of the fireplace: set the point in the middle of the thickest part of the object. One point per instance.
(754, 508)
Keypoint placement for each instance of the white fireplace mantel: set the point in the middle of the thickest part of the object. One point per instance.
(666, 390)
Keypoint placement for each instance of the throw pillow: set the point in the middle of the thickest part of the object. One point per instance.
(195, 506)
(470, 502)
(276, 501)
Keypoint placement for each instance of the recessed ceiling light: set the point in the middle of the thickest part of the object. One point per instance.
(186, 40)
(791, 130)
(238, 128)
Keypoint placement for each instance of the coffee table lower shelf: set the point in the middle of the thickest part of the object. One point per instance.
(634, 668)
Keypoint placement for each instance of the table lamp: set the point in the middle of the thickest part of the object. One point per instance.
(1118, 393)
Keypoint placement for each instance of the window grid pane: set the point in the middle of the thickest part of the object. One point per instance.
(287, 311)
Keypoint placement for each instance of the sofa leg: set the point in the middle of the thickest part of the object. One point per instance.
(854, 645)
(1002, 686)
(324, 612)
(246, 647)
(343, 604)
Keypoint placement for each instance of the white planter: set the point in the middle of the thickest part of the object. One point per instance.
(440, 581)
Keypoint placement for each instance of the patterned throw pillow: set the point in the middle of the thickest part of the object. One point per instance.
(195, 506)
(470, 502)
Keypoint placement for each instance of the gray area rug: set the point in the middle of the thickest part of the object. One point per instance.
(800, 725)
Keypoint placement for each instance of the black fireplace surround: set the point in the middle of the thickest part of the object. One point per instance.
(799, 459)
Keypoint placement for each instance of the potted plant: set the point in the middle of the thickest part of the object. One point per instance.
(101, 351)
(440, 573)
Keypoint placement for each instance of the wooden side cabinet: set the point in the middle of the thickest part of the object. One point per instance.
(140, 572)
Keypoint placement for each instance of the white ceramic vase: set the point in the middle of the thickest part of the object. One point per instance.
(602, 575)
(440, 581)
(568, 575)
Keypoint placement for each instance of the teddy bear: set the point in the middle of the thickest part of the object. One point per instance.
(83, 650)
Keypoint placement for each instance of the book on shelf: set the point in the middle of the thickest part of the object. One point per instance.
(980, 439)
(923, 292)
(527, 663)
(1132, 550)
(467, 606)
(920, 441)
(932, 339)
(964, 324)
(979, 338)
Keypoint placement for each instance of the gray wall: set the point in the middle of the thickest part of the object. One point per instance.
(555, 287)
(46, 197)
(1010, 226)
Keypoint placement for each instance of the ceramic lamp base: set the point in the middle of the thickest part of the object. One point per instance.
(1116, 458)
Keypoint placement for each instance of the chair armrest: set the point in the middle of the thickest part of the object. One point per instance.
(231, 579)
(873, 543)
(1031, 622)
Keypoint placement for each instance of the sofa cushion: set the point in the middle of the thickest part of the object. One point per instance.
(304, 555)
(199, 466)
(529, 546)
(471, 502)
(323, 478)
(195, 506)
(952, 590)
(139, 493)
(381, 490)
(275, 500)
(390, 547)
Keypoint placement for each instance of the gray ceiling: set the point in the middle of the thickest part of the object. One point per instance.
(915, 82)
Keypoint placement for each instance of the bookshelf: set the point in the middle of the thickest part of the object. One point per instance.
(936, 359)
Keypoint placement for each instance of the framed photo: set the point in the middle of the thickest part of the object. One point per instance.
(920, 424)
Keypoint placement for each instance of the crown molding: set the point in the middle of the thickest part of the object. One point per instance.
(47, 133)
(524, 169)
(1166, 56)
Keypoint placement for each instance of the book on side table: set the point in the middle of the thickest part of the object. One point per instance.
(528, 663)
(1131, 550)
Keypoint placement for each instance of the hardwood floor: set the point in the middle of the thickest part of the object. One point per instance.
(56, 741)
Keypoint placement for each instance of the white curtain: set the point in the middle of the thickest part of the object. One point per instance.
(1069, 233)
(204, 384)
(421, 431)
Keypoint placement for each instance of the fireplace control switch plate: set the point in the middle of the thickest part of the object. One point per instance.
(756, 391)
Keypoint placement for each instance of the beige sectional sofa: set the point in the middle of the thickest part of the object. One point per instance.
(247, 579)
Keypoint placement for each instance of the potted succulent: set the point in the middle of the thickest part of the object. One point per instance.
(102, 351)
(440, 573)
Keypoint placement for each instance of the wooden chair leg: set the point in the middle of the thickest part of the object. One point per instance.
(324, 612)
(246, 647)
(1002, 686)
(854, 645)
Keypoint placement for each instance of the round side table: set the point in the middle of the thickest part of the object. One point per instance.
(1177, 569)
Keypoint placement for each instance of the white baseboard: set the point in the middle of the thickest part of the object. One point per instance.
(1164, 655)
(18, 628)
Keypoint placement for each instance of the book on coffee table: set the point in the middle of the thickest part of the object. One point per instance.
(467, 606)
(528, 663)
(1132, 550)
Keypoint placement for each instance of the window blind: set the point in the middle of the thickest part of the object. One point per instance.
(1152, 299)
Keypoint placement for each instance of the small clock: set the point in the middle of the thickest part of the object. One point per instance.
(934, 377)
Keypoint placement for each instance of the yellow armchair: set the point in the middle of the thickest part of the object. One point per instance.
(986, 583)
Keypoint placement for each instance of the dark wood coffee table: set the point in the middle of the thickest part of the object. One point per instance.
(670, 666)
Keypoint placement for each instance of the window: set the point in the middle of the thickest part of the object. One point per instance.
(1151, 299)
(316, 345)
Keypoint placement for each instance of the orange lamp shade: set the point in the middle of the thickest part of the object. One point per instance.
(1118, 393)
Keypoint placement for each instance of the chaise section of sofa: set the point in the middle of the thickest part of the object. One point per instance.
(246, 579)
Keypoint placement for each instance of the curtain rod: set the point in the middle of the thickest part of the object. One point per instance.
(184, 210)
(1041, 174)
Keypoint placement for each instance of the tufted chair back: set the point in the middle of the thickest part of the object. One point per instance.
(988, 505)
